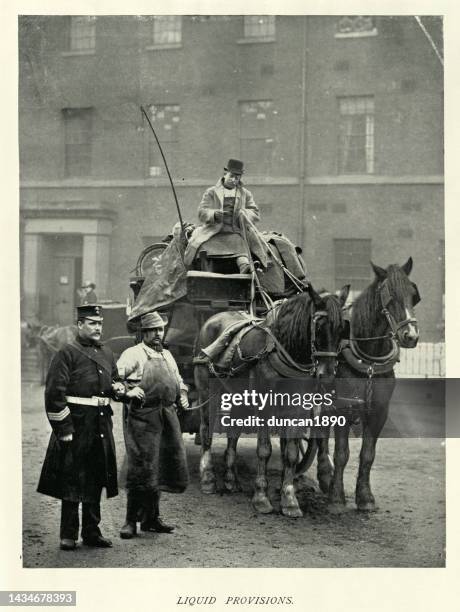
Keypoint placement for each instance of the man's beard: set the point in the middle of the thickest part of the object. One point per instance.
(156, 344)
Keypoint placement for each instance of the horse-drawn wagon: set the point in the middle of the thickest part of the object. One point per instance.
(188, 296)
(306, 329)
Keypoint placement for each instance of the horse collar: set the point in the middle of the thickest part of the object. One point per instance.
(371, 364)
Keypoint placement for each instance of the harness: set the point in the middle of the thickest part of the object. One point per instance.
(377, 365)
(277, 356)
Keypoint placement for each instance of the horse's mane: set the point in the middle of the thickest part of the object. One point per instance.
(367, 305)
(292, 324)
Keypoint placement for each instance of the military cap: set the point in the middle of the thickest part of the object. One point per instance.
(90, 311)
(151, 320)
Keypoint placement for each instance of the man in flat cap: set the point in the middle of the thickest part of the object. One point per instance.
(228, 213)
(80, 459)
(155, 450)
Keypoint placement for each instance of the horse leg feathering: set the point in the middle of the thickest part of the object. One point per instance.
(231, 482)
(337, 500)
(260, 500)
(207, 476)
(289, 503)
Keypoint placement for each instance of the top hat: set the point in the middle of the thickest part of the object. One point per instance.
(151, 320)
(235, 166)
(93, 312)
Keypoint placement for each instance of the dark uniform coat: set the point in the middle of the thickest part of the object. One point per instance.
(76, 471)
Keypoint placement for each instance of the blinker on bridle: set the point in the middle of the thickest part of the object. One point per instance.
(318, 314)
(386, 298)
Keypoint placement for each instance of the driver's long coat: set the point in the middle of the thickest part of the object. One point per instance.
(213, 199)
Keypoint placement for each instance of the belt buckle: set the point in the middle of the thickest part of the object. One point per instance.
(101, 401)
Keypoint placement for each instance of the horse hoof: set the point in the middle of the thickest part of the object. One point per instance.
(305, 483)
(324, 485)
(232, 486)
(262, 505)
(367, 507)
(208, 489)
(337, 508)
(291, 511)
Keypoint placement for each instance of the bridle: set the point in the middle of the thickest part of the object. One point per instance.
(374, 362)
(385, 299)
(395, 326)
(289, 366)
(317, 354)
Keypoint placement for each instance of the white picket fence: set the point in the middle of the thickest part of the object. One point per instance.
(427, 359)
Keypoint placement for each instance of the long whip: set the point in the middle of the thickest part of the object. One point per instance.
(179, 214)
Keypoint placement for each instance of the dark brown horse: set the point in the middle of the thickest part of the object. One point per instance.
(382, 320)
(306, 330)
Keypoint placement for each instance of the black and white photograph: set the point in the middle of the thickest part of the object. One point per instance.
(186, 182)
(212, 197)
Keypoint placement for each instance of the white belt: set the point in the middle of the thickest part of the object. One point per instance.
(88, 401)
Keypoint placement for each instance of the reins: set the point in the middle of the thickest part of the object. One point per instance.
(300, 286)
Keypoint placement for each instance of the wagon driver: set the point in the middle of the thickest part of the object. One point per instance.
(155, 450)
(80, 459)
(227, 213)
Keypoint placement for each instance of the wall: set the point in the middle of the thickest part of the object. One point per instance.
(400, 207)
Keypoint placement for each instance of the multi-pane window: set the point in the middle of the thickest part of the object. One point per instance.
(356, 135)
(259, 26)
(82, 33)
(167, 29)
(256, 135)
(77, 138)
(166, 120)
(356, 25)
(352, 257)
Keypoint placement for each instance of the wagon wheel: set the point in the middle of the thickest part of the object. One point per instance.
(149, 258)
(308, 448)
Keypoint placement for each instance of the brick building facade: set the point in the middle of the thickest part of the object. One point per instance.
(339, 121)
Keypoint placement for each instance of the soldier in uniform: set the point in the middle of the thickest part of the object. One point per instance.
(156, 457)
(80, 459)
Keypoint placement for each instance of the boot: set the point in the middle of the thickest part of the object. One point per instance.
(129, 529)
(152, 520)
(243, 264)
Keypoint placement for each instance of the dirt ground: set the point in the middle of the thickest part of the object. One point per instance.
(408, 530)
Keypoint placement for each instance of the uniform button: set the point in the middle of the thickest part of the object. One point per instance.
(102, 435)
(102, 392)
(101, 413)
(100, 371)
